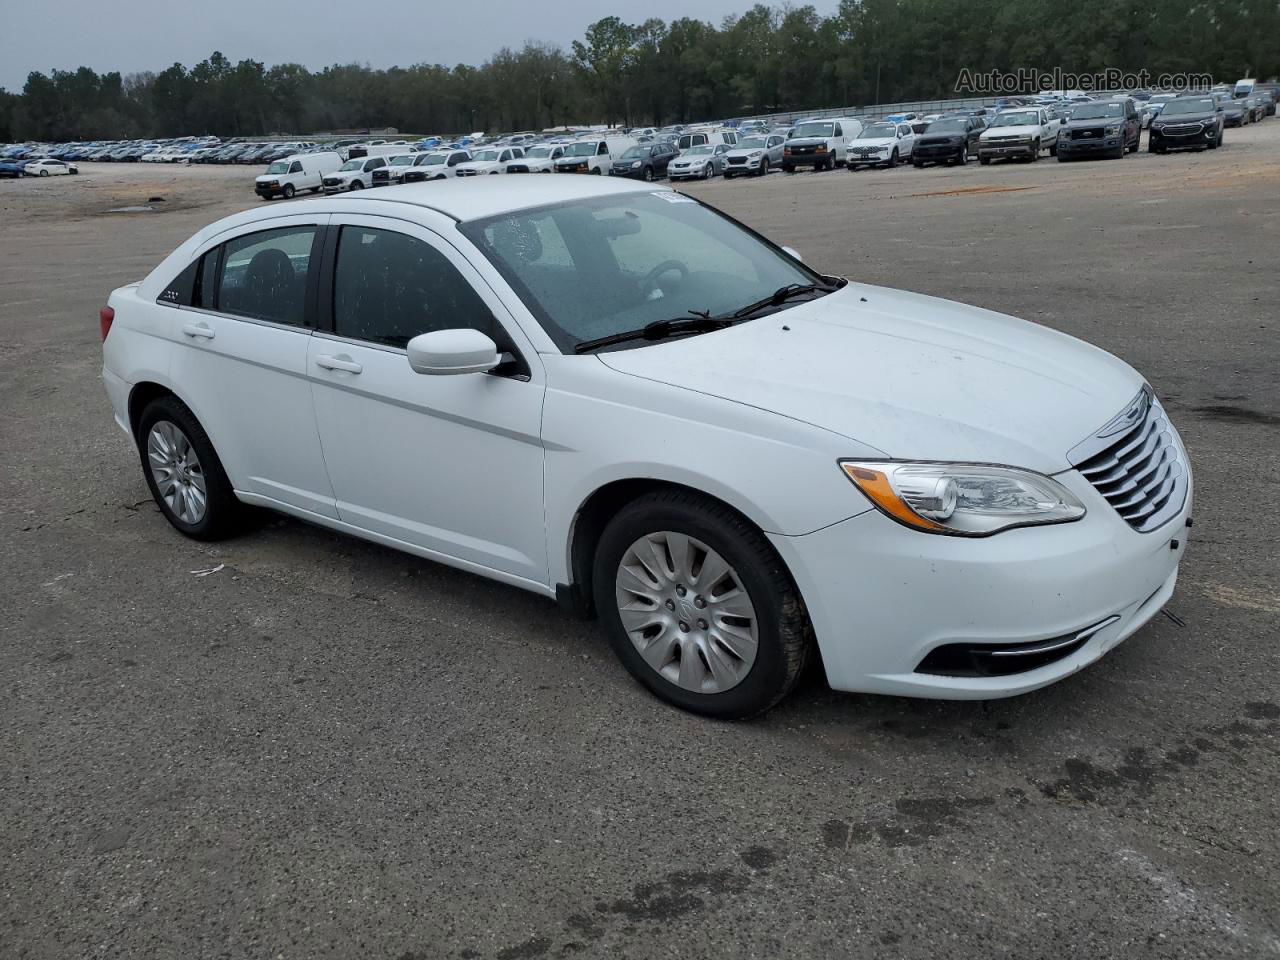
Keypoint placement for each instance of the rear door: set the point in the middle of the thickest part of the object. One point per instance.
(452, 465)
(242, 328)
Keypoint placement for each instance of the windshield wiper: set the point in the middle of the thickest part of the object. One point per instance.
(705, 322)
(778, 298)
(657, 330)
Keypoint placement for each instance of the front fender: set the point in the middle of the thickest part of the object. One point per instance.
(601, 426)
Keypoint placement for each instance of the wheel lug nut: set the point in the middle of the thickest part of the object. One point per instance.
(699, 602)
(680, 591)
(684, 627)
(702, 624)
(671, 604)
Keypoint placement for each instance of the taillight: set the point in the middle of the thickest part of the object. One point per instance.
(105, 316)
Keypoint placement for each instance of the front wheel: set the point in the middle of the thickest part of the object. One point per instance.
(648, 174)
(764, 166)
(288, 191)
(698, 605)
(1035, 151)
(964, 156)
(893, 158)
(184, 473)
(357, 185)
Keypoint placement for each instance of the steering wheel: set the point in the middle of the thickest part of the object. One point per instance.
(650, 282)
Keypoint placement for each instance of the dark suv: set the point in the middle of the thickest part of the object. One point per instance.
(1187, 122)
(645, 161)
(1108, 128)
(948, 140)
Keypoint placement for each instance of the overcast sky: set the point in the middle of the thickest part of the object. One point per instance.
(133, 35)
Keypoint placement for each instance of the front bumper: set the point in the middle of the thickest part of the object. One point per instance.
(633, 173)
(882, 597)
(806, 159)
(999, 150)
(937, 153)
(1072, 148)
(1172, 139)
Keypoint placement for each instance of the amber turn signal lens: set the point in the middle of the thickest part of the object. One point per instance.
(878, 489)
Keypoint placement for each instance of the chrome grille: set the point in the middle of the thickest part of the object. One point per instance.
(1182, 129)
(1137, 463)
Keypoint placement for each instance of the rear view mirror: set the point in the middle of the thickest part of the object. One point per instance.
(448, 352)
(793, 253)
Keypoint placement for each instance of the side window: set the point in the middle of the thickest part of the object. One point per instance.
(388, 288)
(839, 131)
(181, 289)
(602, 150)
(296, 167)
(376, 162)
(264, 275)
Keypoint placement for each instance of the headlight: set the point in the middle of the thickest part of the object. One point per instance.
(1113, 129)
(756, 155)
(963, 499)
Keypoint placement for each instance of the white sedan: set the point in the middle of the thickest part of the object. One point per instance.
(613, 395)
(881, 144)
(49, 168)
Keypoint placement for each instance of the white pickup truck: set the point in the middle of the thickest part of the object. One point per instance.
(1024, 132)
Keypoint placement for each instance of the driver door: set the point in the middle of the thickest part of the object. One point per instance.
(449, 465)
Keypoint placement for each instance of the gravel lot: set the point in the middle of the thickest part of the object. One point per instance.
(328, 749)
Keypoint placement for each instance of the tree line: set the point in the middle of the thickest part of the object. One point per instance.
(768, 59)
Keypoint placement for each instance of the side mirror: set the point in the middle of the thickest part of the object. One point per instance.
(447, 352)
(793, 252)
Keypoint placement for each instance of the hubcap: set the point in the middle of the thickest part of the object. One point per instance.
(687, 612)
(177, 472)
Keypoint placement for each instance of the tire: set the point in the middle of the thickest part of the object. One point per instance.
(963, 158)
(764, 167)
(748, 685)
(788, 168)
(648, 174)
(1035, 151)
(315, 189)
(356, 185)
(1053, 149)
(893, 158)
(288, 191)
(985, 161)
(918, 164)
(1062, 158)
(596, 171)
(44, 173)
(223, 515)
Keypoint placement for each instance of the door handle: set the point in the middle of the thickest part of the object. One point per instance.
(326, 362)
(201, 329)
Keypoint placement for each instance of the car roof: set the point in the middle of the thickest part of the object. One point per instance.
(475, 198)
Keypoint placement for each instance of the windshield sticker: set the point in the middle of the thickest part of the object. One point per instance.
(672, 197)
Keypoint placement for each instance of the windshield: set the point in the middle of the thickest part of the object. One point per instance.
(698, 150)
(538, 153)
(486, 155)
(585, 149)
(814, 128)
(751, 143)
(432, 158)
(955, 125)
(1198, 105)
(634, 153)
(278, 167)
(1016, 120)
(402, 161)
(353, 164)
(590, 268)
(1098, 111)
(875, 131)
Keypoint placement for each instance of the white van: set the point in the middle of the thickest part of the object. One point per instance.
(593, 155)
(698, 138)
(303, 171)
(820, 142)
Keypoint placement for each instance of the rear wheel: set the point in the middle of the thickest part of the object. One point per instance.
(184, 473)
(698, 606)
(44, 173)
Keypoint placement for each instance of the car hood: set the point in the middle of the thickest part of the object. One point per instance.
(910, 376)
(691, 161)
(1178, 118)
(1094, 122)
(478, 165)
